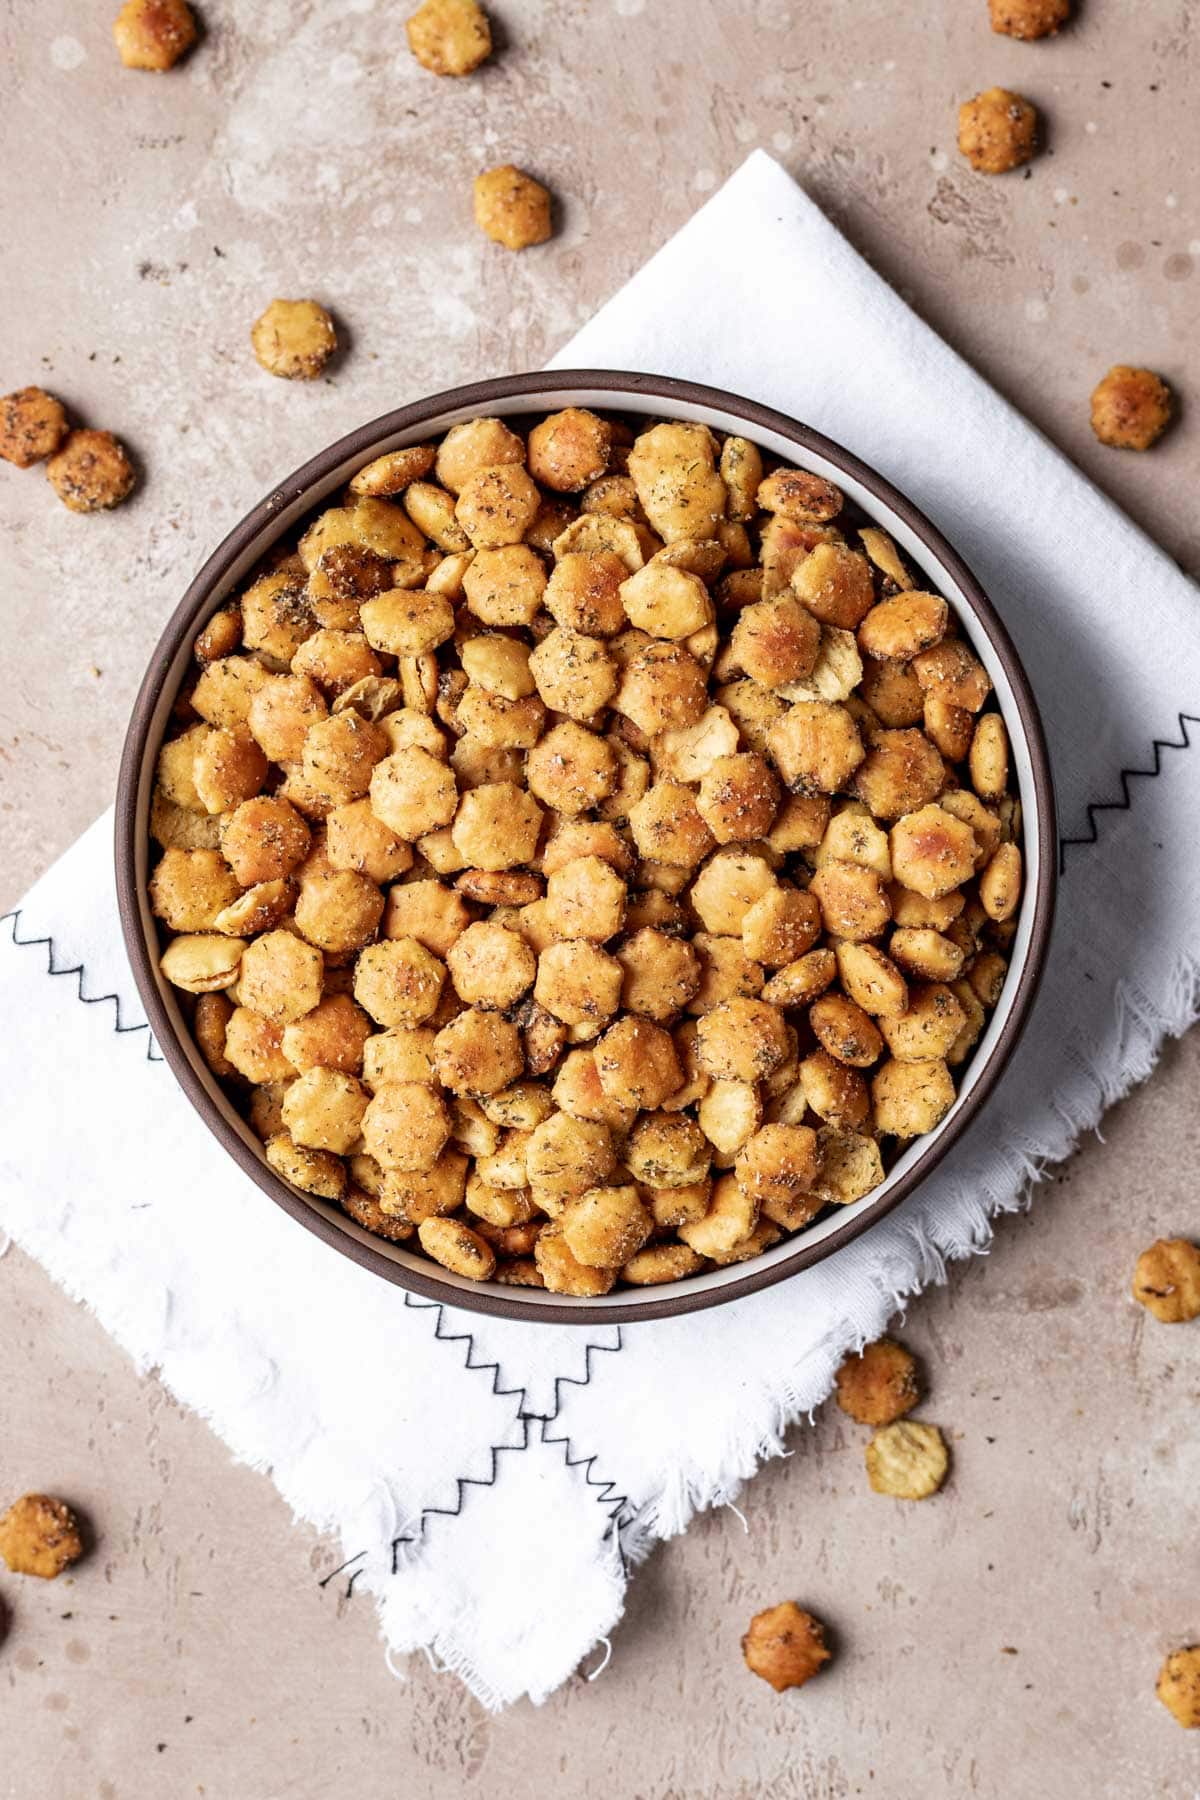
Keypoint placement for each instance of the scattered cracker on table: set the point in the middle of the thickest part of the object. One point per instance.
(32, 426)
(997, 131)
(39, 1536)
(1029, 19)
(450, 37)
(1178, 1686)
(294, 339)
(878, 1384)
(154, 34)
(1166, 1280)
(785, 1646)
(91, 471)
(907, 1460)
(1131, 408)
(512, 208)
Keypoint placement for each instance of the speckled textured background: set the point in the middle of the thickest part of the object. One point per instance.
(1001, 1641)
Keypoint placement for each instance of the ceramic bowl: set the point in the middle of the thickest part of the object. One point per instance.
(318, 482)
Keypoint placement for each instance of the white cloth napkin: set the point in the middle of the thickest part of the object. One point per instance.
(492, 1484)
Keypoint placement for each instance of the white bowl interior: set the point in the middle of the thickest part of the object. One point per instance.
(941, 578)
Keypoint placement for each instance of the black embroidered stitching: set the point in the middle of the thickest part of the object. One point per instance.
(606, 1496)
(77, 969)
(1095, 807)
(326, 1579)
(606, 1490)
(523, 1416)
(561, 1381)
(467, 1338)
(461, 1483)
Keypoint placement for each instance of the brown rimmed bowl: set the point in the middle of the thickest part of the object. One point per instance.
(651, 396)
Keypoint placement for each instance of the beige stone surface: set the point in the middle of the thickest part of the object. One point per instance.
(1001, 1640)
